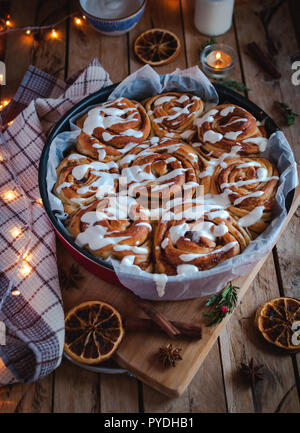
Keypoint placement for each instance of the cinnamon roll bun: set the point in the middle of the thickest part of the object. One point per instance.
(112, 128)
(81, 180)
(114, 227)
(172, 115)
(185, 246)
(228, 127)
(160, 168)
(249, 186)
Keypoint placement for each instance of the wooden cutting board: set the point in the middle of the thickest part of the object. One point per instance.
(138, 351)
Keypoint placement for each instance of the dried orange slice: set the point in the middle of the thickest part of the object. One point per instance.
(94, 330)
(157, 47)
(278, 321)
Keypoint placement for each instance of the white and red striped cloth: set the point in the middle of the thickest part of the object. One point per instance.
(34, 319)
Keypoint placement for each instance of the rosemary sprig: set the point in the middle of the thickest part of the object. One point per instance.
(290, 116)
(224, 303)
(234, 85)
(210, 41)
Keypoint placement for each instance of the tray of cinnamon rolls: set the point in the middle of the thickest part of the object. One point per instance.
(168, 186)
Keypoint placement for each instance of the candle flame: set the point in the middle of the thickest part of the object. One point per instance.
(218, 55)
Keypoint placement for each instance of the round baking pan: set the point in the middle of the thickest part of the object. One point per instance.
(93, 264)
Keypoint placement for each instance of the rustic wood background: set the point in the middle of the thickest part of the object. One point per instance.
(217, 387)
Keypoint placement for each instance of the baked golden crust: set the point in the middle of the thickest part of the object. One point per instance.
(164, 176)
(226, 127)
(106, 130)
(172, 115)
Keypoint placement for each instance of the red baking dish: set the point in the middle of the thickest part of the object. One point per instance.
(97, 266)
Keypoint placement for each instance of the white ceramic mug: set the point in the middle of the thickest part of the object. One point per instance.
(213, 17)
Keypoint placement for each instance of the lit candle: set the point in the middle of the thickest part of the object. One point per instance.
(217, 60)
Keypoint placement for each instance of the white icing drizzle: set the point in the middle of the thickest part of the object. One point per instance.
(227, 110)
(62, 186)
(232, 135)
(192, 256)
(134, 249)
(252, 194)
(165, 243)
(252, 217)
(160, 281)
(261, 142)
(186, 269)
(163, 99)
(212, 136)
(208, 117)
(145, 225)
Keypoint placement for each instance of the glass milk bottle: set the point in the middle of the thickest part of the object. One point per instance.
(213, 17)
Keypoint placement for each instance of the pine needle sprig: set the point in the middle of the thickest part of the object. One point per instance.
(290, 116)
(224, 304)
(234, 85)
(210, 41)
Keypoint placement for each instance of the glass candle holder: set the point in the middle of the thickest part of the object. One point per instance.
(217, 60)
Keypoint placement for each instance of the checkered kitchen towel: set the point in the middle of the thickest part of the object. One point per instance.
(30, 298)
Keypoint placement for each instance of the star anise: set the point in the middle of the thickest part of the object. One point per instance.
(168, 355)
(253, 373)
(70, 277)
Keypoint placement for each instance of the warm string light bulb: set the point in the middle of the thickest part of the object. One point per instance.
(8, 23)
(4, 102)
(27, 256)
(25, 269)
(28, 32)
(15, 292)
(10, 195)
(78, 21)
(15, 232)
(54, 34)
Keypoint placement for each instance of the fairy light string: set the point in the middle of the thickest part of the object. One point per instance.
(7, 26)
(22, 266)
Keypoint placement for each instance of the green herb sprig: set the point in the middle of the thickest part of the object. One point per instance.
(210, 41)
(290, 116)
(224, 303)
(234, 85)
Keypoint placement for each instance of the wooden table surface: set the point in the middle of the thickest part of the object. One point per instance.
(217, 387)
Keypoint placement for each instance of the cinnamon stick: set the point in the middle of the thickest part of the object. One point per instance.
(263, 60)
(157, 317)
(139, 324)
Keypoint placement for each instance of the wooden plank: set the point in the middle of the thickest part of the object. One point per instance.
(295, 15)
(265, 91)
(119, 394)
(144, 362)
(85, 44)
(240, 342)
(17, 64)
(116, 393)
(205, 393)
(76, 390)
(168, 18)
(23, 398)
